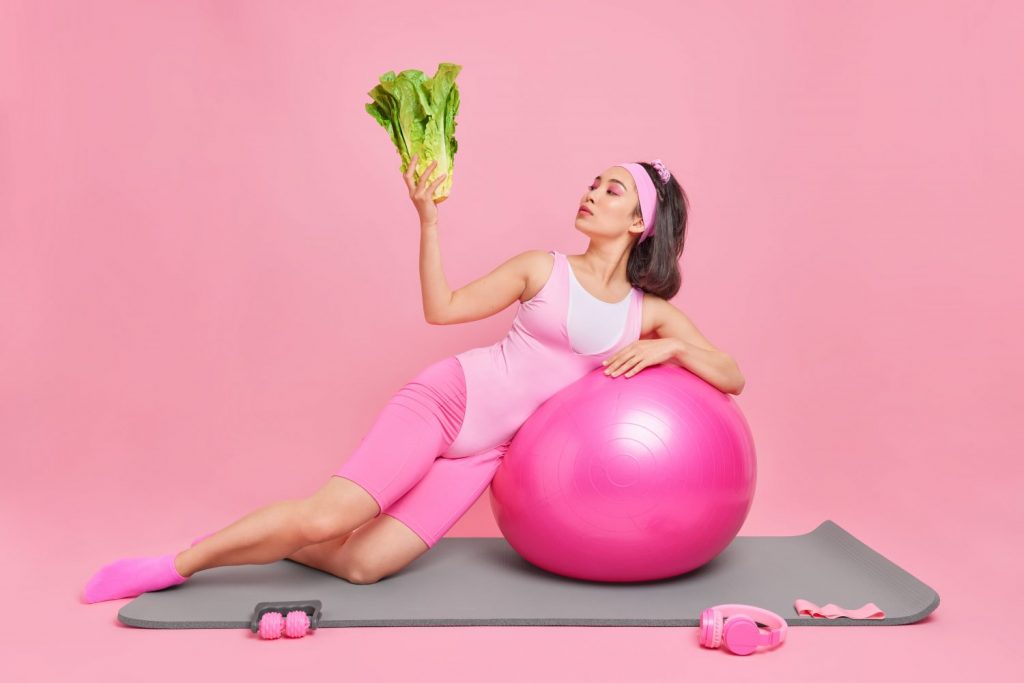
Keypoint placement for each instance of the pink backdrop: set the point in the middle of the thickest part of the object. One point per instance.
(209, 287)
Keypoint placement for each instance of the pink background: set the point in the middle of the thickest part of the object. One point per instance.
(209, 288)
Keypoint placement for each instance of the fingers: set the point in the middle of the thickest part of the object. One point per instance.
(418, 188)
(426, 174)
(630, 368)
(635, 369)
(440, 179)
(410, 173)
(409, 170)
(620, 364)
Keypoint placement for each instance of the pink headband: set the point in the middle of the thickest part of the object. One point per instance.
(648, 195)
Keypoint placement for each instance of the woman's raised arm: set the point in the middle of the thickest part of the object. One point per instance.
(481, 298)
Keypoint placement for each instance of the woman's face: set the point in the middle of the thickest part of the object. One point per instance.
(612, 199)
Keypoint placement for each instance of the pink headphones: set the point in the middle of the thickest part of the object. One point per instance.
(741, 635)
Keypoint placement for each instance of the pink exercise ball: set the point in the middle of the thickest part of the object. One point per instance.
(627, 479)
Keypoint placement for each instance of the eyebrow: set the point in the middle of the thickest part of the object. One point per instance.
(613, 180)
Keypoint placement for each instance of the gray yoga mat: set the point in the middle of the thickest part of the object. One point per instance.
(484, 582)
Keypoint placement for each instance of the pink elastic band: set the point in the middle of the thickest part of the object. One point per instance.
(648, 196)
(831, 611)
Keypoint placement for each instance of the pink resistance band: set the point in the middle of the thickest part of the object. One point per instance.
(648, 196)
(832, 611)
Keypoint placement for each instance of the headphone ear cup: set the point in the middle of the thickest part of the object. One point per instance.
(710, 628)
(741, 635)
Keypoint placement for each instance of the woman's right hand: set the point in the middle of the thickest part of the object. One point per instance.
(422, 195)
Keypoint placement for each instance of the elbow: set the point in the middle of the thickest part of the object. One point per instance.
(435, 320)
(439, 314)
(736, 378)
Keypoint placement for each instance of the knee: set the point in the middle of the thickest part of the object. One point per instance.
(360, 571)
(361, 576)
(317, 525)
(337, 508)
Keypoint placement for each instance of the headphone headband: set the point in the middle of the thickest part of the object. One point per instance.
(737, 626)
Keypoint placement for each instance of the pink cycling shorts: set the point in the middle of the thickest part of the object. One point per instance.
(401, 461)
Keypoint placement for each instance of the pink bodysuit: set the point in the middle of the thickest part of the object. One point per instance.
(507, 381)
(436, 445)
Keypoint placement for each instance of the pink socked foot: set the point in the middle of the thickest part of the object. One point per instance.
(131, 577)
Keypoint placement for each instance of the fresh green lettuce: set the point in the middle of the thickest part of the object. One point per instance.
(419, 115)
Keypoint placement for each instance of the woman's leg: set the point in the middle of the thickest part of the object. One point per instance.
(282, 528)
(316, 555)
(438, 396)
(415, 427)
(411, 525)
(268, 534)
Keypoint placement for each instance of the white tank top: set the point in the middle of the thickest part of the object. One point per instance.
(594, 325)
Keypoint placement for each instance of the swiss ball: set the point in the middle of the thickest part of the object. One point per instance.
(627, 479)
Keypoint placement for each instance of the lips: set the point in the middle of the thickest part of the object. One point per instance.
(586, 210)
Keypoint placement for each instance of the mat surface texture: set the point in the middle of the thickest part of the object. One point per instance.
(483, 582)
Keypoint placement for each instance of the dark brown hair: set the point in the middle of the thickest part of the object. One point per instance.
(653, 265)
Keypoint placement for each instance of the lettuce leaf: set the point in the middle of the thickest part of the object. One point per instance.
(419, 114)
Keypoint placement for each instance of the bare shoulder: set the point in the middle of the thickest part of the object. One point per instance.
(539, 265)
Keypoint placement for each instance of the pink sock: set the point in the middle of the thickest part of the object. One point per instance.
(133, 576)
(202, 537)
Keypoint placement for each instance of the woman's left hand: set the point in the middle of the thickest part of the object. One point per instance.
(642, 353)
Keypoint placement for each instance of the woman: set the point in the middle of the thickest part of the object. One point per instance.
(436, 445)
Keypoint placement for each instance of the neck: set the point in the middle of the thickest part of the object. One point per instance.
(606, 264)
